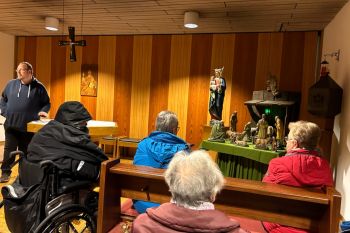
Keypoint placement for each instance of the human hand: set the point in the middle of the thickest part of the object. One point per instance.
(42, 114)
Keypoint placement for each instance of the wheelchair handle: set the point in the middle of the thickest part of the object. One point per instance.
(13, 155)
(17, 152)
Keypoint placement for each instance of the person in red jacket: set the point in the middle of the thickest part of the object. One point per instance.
(302, 166)
(193, 180)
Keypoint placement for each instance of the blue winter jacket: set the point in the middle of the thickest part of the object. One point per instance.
(156, 151)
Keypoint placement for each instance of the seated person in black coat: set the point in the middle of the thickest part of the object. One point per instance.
(66, 141)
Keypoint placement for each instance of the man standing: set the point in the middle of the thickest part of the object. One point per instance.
(23, 100)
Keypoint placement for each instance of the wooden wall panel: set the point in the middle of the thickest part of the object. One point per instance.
(309, 75)
(73, 74)
(292, 61)
(246, 45)
(43, 62)
(58, 74)
(309, 78)
(130, 67)
(140, 93)
(30, 51)
(222, 55)
(268, 59)
(90, 56)
(198, 87)
(122, 85)
(160, 67)
(275, 59)
(106, 78)
(179, 79)
(262, 61)
(20, 43)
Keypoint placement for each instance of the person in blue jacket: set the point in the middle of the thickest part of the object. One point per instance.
(23, 100)
(158, 149)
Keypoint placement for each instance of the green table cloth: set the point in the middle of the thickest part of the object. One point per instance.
(241, 162)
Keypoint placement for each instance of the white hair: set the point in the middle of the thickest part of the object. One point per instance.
(307, 134)
(193, 178)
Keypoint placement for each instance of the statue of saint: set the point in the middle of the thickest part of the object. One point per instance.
(217, 94)
(271, 85)
(279, 132)
(262, 127)
(279, 128)
(217, 132)
(247, 132)
(270, 132)
(233, 122)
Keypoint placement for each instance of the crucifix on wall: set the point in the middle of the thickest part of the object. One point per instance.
(72, 43)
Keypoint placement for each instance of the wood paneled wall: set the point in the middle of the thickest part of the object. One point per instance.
(143, 74)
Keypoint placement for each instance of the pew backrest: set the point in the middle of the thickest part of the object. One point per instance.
(315, 210)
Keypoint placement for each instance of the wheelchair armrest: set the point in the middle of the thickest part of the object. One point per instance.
(76, 185)
(48, 163)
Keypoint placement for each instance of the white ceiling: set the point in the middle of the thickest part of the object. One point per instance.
(114, 17)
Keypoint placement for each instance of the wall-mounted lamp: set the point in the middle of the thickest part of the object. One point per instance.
(335, 54)
(191, 19)
(51, 23)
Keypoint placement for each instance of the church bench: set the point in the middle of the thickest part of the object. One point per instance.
(316, 210)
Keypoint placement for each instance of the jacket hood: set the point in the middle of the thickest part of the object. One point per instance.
(313, 169)
(71, 113)
(162, 146)
(300, 168)
(33, 82)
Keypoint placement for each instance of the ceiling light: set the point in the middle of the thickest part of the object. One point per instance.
(51, 23)
(191, 19)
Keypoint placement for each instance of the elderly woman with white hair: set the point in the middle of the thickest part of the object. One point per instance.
(302, 166)
(193, 180)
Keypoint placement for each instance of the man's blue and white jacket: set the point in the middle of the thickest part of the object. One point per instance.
(156, 151)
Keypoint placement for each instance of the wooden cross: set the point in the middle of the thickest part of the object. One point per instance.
(72, 43)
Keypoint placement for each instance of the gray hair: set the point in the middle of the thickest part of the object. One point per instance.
(193, 178)
(307, 134)
(166, 122)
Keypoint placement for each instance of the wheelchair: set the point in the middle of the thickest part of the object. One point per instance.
(44, 199)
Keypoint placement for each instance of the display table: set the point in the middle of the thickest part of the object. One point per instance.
(96, 128)
(241, 162)
(125, 142)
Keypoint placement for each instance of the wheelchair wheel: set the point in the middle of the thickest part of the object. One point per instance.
(66, 220)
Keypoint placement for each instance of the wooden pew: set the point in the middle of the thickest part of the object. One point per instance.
(298, 207)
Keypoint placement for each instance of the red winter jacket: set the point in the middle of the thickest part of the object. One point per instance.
(300, 168)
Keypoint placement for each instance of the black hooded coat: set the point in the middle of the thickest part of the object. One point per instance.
(65, 141)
